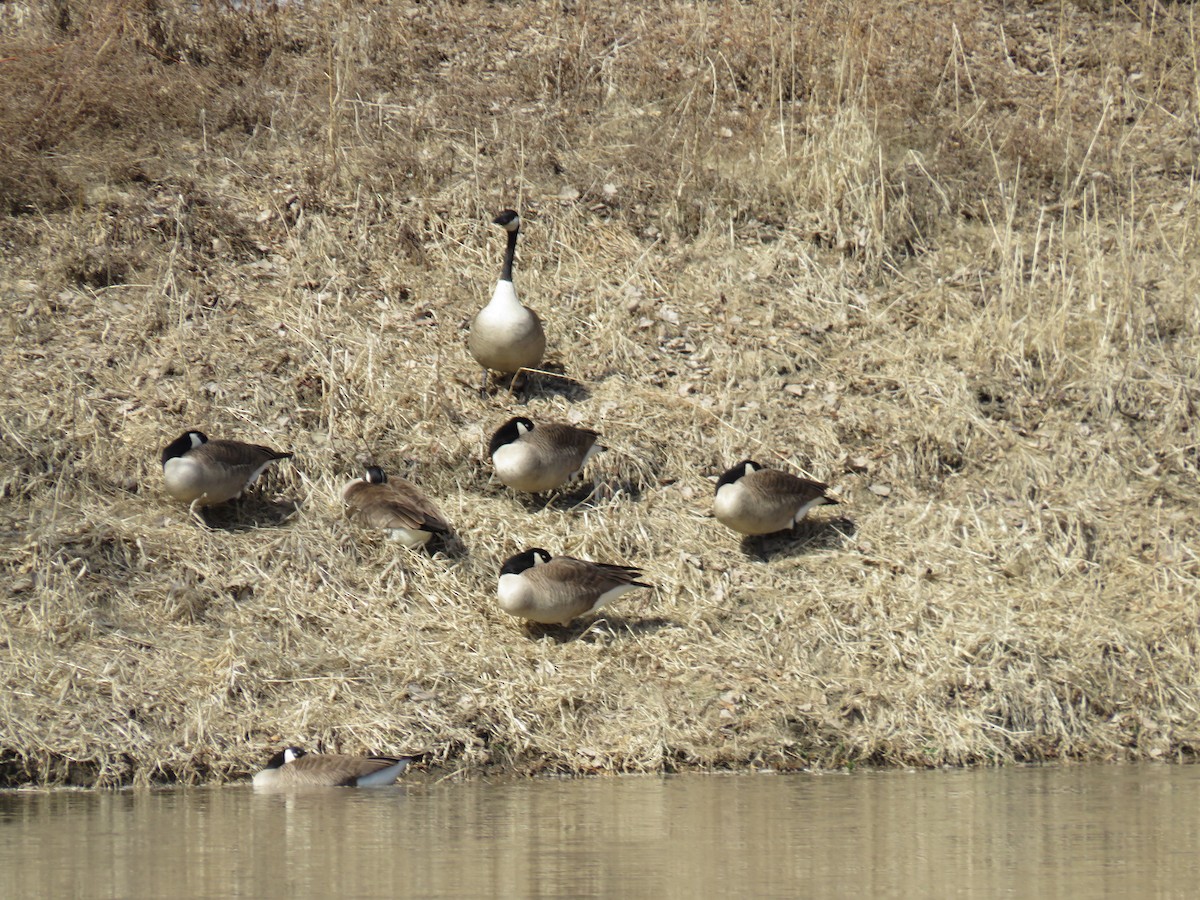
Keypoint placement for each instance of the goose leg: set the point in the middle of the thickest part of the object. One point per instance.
(194, 511)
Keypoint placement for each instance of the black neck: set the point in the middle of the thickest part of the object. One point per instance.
(509, 253)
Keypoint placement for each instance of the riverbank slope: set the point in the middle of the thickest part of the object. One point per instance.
(940, 255)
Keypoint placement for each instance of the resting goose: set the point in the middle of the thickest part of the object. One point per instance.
(204, 472)
(294, 767)
(755, 500)
(538, 458)
(554, 590)
(396, 505)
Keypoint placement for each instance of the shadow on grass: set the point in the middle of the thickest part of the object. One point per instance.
(550, 380)
(808, 537)
(249, 513)
(590, 495)
(602, 628)
(449, 545)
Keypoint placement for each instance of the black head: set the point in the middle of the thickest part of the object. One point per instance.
(515, 565)
(741, 470)
(509, 432)
(375, 475)
(508, 220)
(189, 440)
(283, 757)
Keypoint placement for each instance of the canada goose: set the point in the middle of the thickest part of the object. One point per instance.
(756, 500)
(555, 590)
(397, 506)
(537, 458)
(506, 336)
(204, 473)
(295, 768)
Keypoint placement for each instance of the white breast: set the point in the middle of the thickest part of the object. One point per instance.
(519, 466)
(514, 593)
(737, 508)
(506, 336)
(184, 478)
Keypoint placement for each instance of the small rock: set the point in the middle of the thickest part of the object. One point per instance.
(881, 490)
(858, 464)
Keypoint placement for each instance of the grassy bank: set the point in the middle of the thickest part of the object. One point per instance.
(940, 255)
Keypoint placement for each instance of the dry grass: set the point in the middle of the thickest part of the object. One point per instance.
(942, 255)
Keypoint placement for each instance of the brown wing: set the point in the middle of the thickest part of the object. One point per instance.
(237, 454)
(589, 578)
(335, 770)
(773, 483)
(613, 575)
(395, 504)
(567, 438)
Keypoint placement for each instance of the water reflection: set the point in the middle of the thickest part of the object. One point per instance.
(1082, 831)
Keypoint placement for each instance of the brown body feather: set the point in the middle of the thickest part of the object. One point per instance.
(564, 588)
(396, 505)
(328, 770)
(542, 457)
(764, 501)
(216, 471)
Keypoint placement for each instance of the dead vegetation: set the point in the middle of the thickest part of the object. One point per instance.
(941, 255)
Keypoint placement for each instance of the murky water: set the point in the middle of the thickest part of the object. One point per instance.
(1085, 831)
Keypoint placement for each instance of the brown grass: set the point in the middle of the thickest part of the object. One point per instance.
(942, 255)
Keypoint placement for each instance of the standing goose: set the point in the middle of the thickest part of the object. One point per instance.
(204, 473)
(506, 336)
(537, 458)
(756, 500)
(397, 506)
(556, 590)
(295, 768)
